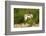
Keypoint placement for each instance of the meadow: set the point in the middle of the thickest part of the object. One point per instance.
(25, 17)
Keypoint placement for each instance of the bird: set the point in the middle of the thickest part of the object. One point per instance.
(28, 16)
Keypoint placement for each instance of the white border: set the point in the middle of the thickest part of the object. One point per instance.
(28, 28)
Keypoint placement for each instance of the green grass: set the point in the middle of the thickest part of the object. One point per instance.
(20, 12)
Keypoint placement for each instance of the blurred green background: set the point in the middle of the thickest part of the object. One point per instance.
(19, 16)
